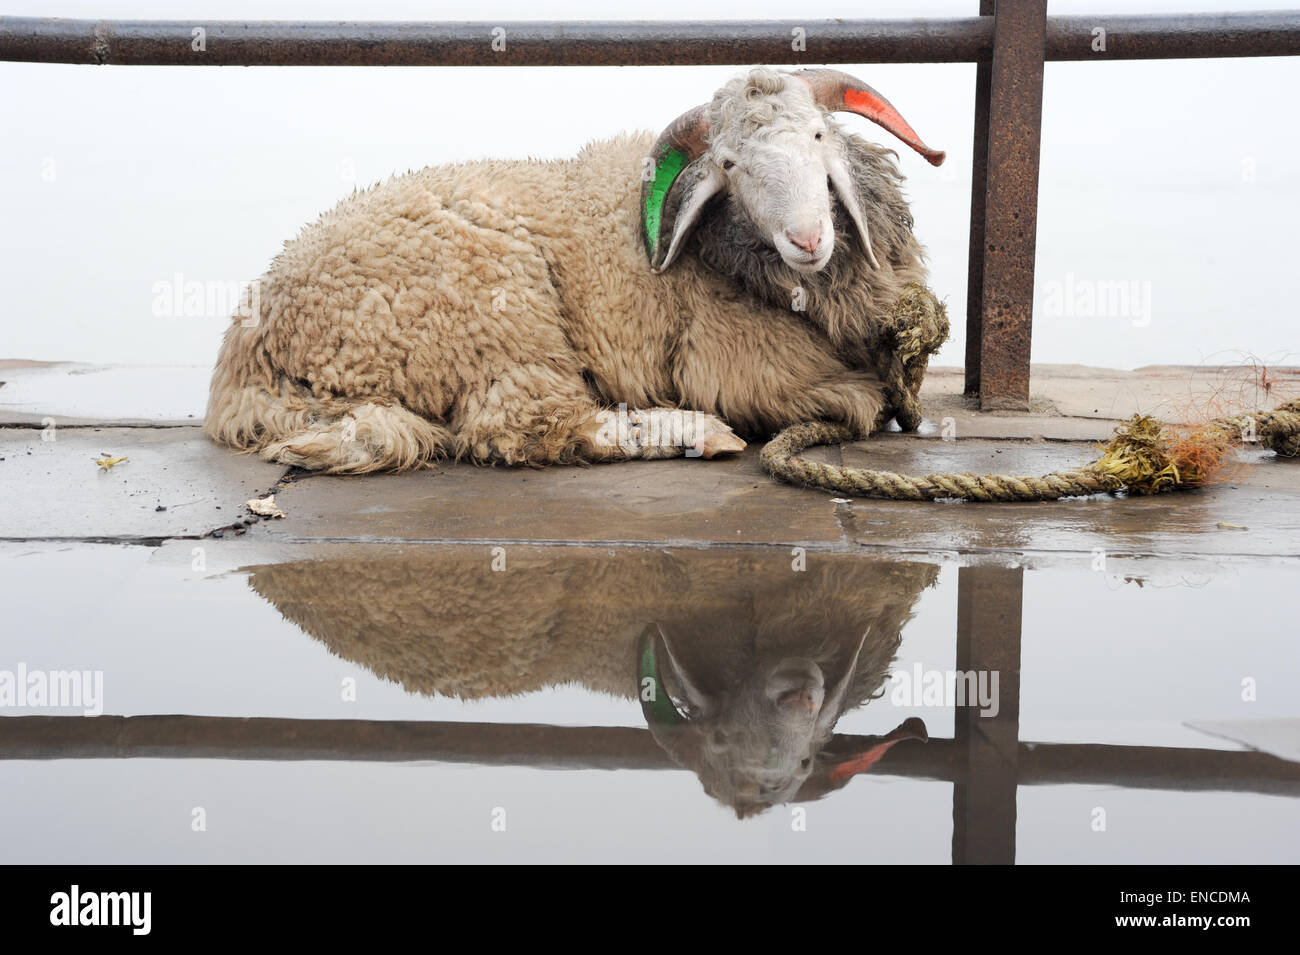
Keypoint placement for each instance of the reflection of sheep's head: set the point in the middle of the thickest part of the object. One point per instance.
(762, 740)
(761, 660)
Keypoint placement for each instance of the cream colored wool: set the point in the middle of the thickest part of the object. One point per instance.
(491, 311)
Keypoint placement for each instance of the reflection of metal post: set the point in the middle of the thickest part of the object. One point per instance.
(988, 641)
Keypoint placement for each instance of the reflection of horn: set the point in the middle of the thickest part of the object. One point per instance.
(660, 712)
(833, 704)
(846, 756)
(841, 92)
(911, 728)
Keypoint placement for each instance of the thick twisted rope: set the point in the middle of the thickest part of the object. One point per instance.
(1144, 457)
(1278, 429)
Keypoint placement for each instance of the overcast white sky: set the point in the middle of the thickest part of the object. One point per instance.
(1177, 176)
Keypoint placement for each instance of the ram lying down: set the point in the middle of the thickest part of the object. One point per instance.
(718, 282)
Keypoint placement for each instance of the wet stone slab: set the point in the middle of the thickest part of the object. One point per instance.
(721, 501)
(735, 502)
(1254, 514)
(174, 483)
(57, 491)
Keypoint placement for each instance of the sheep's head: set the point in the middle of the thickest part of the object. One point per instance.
(764, 740)
(767, 140)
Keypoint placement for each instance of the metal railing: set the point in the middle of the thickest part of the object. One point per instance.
(1010, 41)
(541, 746)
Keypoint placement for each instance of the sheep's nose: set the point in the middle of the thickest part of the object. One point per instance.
(808, 240)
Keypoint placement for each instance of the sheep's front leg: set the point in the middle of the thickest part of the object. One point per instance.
(764, 369)
(664, 433)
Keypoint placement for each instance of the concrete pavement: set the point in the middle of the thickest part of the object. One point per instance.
(175, 484)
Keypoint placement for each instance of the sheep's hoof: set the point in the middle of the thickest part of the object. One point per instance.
(721, 442)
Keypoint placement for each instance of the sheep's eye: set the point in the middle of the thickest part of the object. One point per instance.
(727, 164)
(818, 137)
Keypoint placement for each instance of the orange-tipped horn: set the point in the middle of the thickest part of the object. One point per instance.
(843, 757)
(840, 92)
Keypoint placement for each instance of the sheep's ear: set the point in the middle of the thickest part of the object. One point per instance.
(847, 190)
(672, 202)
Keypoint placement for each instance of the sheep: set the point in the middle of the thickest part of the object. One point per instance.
(649, 298)
(750, 663)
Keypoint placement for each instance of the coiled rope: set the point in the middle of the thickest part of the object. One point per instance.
(1144, 457)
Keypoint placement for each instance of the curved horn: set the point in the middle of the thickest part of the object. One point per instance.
(670, 201)
(862, 760)
(845, 756)
(840, 92)
(656, 705)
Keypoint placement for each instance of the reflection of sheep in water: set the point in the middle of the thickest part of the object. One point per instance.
(759, 661)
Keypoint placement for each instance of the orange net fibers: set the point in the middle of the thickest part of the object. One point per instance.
(1148, 456)
(1203, 455)
(1204, 451)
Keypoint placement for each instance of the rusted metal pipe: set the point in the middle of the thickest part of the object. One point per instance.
(979, 184)
(594, 43)
(270, 43)
(1178, 36)
(1015, 111)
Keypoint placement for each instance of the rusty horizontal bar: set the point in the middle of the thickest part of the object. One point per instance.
(581, 43)
(595, 747)
(630, 43)
(1178, 36)
(264, 738)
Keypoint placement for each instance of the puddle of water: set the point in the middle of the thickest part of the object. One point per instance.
(751, 704)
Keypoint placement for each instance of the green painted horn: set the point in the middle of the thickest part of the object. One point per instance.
(684, 141)
(660, 712)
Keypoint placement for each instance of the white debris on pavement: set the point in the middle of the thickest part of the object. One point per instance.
(265, 506)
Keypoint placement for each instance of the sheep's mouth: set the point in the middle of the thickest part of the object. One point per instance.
(800, 260)
(807, 264)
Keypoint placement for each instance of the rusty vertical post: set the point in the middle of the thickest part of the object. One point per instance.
(978, 194)
(987, 746)
(1014, 125)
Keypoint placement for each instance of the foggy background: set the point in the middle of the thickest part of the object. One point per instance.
(1174, 178)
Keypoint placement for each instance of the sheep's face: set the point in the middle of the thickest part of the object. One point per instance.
(759, 740)
(768, 142)
(781, 159)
